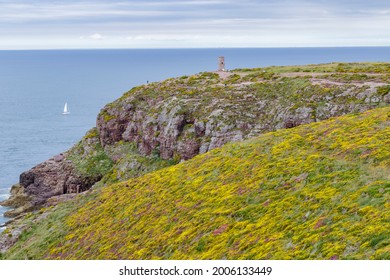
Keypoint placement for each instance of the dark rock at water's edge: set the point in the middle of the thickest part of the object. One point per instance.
(18, 200)
(55, 178)
(51, 178)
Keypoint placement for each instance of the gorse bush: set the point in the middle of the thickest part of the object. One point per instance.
(319, 191)
(315, 191)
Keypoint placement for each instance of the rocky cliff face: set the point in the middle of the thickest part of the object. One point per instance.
(53, 177)
(180, 118)
(160, 124)
(63, 174)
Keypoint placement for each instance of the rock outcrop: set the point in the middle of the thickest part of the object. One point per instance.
(180, 118)
(63, 174)
(53, 177)
(160, 124)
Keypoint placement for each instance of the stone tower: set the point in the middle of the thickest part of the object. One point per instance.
(221, 63)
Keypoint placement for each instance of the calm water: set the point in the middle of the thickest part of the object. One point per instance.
(34, 85)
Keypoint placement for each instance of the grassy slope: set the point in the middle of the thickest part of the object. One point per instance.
(221, 182)
(318, 191)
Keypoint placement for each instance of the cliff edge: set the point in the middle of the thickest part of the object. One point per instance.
(160, 124)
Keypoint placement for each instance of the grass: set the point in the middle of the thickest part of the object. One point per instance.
(43, 229)
(317, 191)
(365, 67)
(131, 163)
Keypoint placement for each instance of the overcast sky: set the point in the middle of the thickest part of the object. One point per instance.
(30, 24)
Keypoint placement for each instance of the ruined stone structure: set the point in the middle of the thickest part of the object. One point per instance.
(221, 63)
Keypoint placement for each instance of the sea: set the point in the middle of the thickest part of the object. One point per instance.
(35, 85)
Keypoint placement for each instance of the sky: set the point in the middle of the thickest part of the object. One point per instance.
(70, 24)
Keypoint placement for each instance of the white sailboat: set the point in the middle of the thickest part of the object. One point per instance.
(66, 109)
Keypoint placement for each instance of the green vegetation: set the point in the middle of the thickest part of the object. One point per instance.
(131, 163)
(44, 229)
(252, 101)
(89, 158)
(367, 67)
(316, 191)
(383, 90)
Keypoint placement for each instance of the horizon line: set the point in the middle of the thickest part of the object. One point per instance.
(189, 48)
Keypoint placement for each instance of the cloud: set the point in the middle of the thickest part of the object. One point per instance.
(188, 23)
(67, 11)
(96, 36)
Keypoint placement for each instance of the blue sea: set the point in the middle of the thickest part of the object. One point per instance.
(34, 86)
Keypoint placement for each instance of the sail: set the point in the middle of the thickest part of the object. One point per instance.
(66, 109)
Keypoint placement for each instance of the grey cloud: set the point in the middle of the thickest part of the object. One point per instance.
(249, 22)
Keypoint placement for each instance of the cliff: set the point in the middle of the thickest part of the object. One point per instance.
(73, 171)
(317, 191)
(158, 125)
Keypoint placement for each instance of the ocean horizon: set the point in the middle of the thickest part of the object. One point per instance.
(35, 85)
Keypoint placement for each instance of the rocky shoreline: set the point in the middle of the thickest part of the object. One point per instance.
(51, 178)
